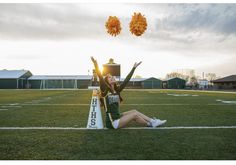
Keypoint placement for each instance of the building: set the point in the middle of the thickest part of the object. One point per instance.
(144, 83)
(152, 83)
(134, 83)
(174, 83)
(228, 82)
(203, 83)
(59, 81)
(14, 79)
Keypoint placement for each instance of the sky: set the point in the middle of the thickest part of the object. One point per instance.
(59, 39)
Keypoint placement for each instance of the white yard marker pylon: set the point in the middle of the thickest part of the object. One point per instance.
(95, 115)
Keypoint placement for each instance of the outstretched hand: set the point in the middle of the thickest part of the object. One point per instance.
(137, 64)
(94, 61)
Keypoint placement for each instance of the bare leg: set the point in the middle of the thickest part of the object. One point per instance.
(148, 119)
(131, 116)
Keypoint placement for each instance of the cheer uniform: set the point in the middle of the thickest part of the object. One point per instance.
(111, 100)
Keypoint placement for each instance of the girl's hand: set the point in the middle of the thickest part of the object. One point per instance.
(94, 61)
(137, 64)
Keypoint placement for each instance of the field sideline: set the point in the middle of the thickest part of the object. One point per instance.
(50, 124)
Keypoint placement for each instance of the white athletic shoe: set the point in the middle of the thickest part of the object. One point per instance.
(157, 122)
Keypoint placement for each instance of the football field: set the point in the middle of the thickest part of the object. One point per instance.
(50, 124)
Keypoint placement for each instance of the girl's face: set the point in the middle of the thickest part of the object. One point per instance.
(111, 79)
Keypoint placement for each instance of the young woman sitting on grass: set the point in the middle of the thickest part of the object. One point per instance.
(111, 99)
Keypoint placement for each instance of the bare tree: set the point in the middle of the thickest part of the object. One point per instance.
(193, 81)
(174, 74)
(210, 77)
(179, 75)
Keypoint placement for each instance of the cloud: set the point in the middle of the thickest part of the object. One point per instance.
(178, 35)
(188, 22)
(201, 17)
(187, 29)
(176, 22)
(48, 21)
(192, 29)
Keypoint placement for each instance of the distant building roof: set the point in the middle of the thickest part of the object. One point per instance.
(137, 79)
(12, 74)
(134, 79)
(61, 77)
(173, 78)
(231, 78)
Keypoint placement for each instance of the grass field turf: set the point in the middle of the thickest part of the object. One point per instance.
(70, 108)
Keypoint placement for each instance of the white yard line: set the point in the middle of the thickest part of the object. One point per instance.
(10, 106)
(3, 109)
(23, 104)
(187, 127)
(41, 104)
(176, 90)
(133, 128)
(176, 104)
(58, 104)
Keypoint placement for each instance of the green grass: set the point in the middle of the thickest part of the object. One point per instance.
(70, 108)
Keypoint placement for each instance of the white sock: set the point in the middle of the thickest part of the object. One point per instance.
(149, 124)
(152, 120)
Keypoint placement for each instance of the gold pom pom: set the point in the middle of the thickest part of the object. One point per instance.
(113, 26)
(138, 24)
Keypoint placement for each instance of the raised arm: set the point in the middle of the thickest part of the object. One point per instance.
(128, 77)
(101, 80)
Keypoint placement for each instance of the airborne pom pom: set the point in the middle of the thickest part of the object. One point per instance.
(138, 24)
(113, 26)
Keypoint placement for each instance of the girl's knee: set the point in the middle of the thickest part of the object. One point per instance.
(136, 116)
(134, 110)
